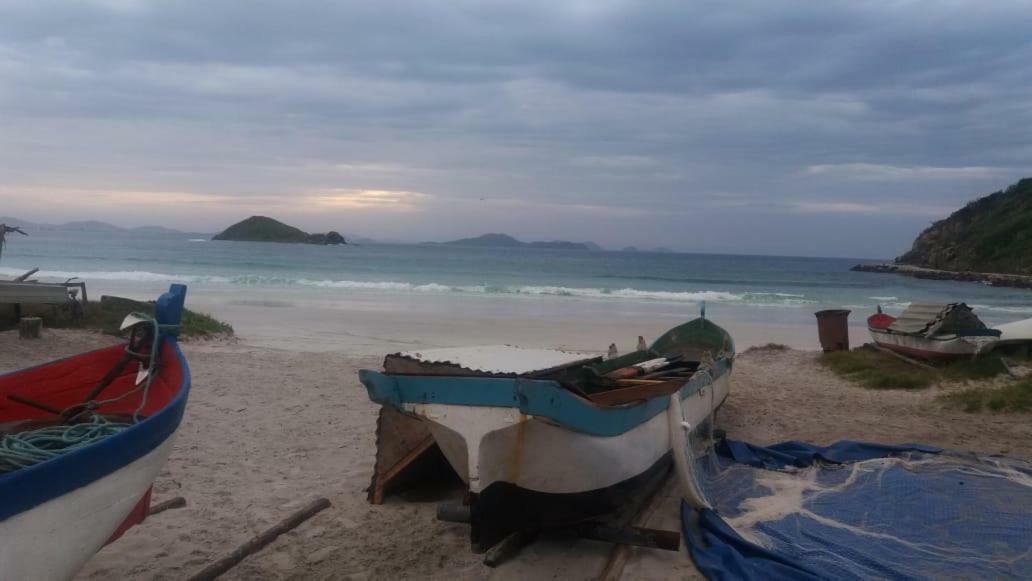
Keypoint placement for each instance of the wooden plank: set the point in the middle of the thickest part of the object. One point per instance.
(384, 479)
(636, 393)
(400, 440)
(32, 293)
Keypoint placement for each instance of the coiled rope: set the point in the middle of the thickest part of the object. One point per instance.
(35, 446)
(32, 447)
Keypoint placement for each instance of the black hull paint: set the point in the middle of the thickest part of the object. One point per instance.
(504, 508)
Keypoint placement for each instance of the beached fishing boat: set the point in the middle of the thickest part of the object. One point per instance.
(546, 438)
(81, 442)
(949, 331)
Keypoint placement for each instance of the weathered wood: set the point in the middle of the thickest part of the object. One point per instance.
(630, 535)
(30, 327)
(33, 293)
(400, 441)
(259, 542)
(636, 392)
(507, 548)
(177, 502)
(902, 357)
(25, 276)
(451, 512)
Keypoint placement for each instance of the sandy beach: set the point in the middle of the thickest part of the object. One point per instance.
(268, 429)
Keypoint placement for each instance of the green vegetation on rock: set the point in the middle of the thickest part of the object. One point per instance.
(264, 229)
(990, 234)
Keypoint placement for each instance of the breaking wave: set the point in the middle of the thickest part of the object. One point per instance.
(763, 299)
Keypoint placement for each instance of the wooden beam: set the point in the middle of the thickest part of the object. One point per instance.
(902, 357)
(261, 541)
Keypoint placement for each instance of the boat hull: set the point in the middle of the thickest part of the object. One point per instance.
(55, 514)
(942, 348)
(54, 540)
(529, 473)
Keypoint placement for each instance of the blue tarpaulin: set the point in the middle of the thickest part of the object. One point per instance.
(854, 510)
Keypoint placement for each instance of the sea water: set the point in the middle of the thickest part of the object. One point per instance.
(464, 280)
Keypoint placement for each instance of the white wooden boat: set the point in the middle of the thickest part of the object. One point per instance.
(546, 439)
(935, 332)
(56, 513)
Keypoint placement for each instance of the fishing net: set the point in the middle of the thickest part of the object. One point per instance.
(860, 511)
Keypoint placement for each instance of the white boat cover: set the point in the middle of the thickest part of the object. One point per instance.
(1016, 332)
(932, 319)
(499, 359)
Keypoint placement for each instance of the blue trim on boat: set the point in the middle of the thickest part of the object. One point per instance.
(27, 488)
(542, 398)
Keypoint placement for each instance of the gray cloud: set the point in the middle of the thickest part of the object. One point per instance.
(781, 122)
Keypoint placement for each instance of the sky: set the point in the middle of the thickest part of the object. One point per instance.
(769, 127)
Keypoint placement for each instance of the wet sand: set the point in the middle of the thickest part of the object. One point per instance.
(266, 430)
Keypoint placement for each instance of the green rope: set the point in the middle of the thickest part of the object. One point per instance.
(32, 447)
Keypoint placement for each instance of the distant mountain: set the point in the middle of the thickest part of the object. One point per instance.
(265, 229)
(506, 241)
(92, 226)
(990, 234)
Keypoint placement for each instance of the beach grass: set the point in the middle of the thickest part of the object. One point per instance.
(1014, 397)
(106, 316)
(875, 369)
(770, 347)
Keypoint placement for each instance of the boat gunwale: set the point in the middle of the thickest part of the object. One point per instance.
(546, 399)
(938, 337)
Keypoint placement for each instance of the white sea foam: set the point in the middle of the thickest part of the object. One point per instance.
(761, 299)
(122, 275)
(884, 298)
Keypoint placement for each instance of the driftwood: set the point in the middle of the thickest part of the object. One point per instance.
(259, 542)
(177, 502)
(25, 276)
(30, 327)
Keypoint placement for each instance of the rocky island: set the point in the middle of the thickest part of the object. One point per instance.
(264, 229)
(989, 241)
(506, 241)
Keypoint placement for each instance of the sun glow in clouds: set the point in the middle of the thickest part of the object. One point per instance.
(390, 200)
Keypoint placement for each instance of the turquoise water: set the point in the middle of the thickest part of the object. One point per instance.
(746, 288)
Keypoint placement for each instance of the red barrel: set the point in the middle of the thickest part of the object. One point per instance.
(833, 329)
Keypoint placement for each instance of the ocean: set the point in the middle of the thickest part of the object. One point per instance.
(754, 289)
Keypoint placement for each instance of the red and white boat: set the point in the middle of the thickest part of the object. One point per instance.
(120, 408)
(936, 332)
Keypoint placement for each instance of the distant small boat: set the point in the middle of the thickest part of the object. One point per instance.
(933, 331)
(121, 406)
(546, 438)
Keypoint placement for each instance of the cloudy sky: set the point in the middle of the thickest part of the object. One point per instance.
(813, 128)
